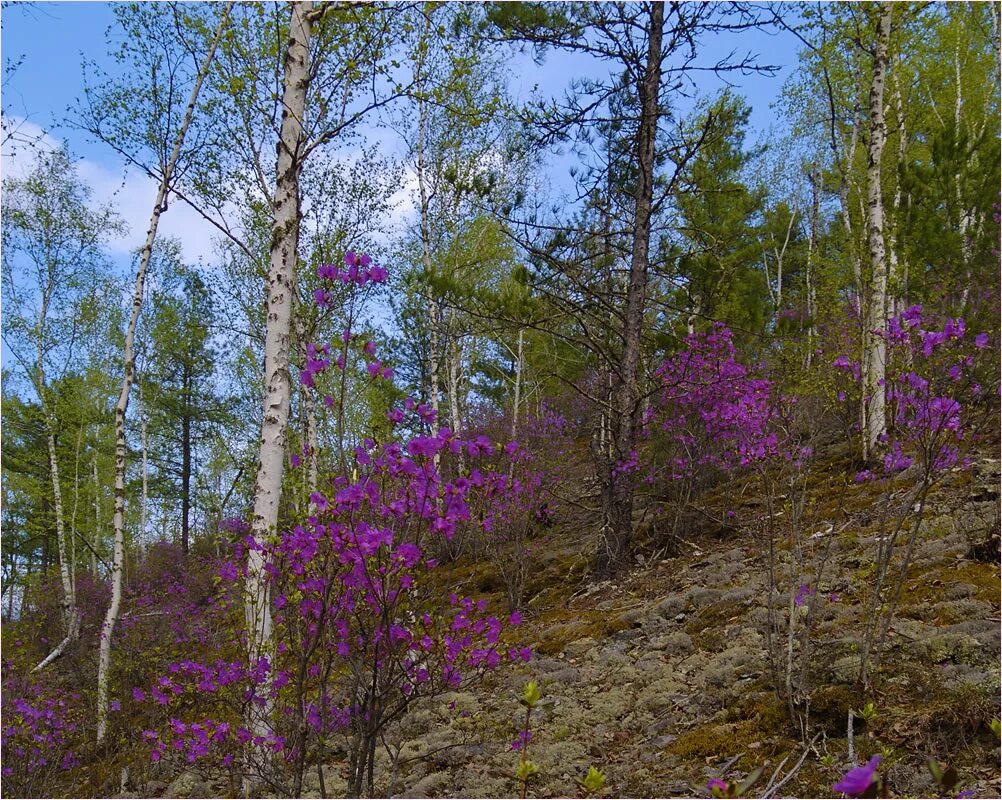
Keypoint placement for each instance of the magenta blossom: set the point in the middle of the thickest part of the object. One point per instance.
(858, 779)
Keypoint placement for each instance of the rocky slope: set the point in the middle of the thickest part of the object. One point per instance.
(662, 678)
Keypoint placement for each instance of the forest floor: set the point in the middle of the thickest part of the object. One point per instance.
(662, 677)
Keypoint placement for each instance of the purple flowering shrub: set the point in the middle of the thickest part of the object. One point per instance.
(713, 411)
(363, 625)
(172, 605)
(40, 626)
(935, 412)
(711, 416)
(518, 502)
(42, 731)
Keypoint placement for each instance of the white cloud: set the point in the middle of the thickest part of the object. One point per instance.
(130, 193)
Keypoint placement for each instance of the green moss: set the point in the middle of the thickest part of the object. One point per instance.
(707, 627)
(729, 740)
(927, 587)
(565, 625)
(763, 708)
(830, 707)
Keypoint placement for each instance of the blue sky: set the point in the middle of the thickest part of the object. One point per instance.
(52, 39)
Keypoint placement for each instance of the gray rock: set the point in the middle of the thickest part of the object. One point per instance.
(670, 606)
(632, 616)
(187, 784)
(678, 643)
(579, 647)
(846, 669)
(565, 676)
(702, 596)
(741, 594)
(961, 647)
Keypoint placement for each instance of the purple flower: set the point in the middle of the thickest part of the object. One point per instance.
(858, 779)
(803, 593)
(715, 784)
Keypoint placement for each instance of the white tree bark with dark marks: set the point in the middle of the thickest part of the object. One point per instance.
(875, 345)
(71, 615)
(122, 406)
(281, 290)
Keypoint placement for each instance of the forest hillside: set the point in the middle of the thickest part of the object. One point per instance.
(501, 399)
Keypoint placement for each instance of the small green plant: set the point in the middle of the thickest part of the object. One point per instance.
(526, 769)
(868, 712)
(996, 727)
(594, 781)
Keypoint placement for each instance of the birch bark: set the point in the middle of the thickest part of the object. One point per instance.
(71, 616)
(281, 290)
(875, 346)
(122, 406)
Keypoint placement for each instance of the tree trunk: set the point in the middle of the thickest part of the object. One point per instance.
(895, 262)
(965, 219)
(518, 384)
(875, 345)
(845, 170)
(809, 270)
(129, 358)
(281, 289)
(434, 357)
(455, 368)
(186, 461)
(619, 511)
(71, 616)
(144, 439)
(97, 517)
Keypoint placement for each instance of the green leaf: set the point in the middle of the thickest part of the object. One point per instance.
(531, 695)
(594, 781)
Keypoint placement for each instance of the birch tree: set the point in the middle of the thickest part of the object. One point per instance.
(166, 173)
(874, 342)
(52, 262)
(280, 293)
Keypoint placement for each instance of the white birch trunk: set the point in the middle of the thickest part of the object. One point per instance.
(846, 170)
(875, 345)
(809, 270)
(965, 215)
(122, 406)
(433, 315)
(281, 289)
(71, 616)
(97, 518)
(518, 384)
(144, 440)
(455, 367)
(74, 532)
(894, 259)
